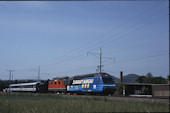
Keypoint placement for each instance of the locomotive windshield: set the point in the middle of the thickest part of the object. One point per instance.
(107, 80)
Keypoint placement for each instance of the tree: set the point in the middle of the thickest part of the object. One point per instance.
(149, 77)
(168, 77)
(120, 89)
(141, 79)
(16, 82)
(151, 80)
(144, 90)
(158, 80)
(1, 85)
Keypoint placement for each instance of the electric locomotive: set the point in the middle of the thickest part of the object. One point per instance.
(97, 83)
(58, 85)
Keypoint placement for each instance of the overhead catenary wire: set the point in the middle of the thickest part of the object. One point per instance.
(105, 41)
(76, 69)
(122, 32)
(139, 38)
(70, 58)
(111, 40)
(139, 58)
(103, 35)
(73, 54)
(139, 47)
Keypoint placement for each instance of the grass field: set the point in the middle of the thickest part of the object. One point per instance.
(46, 103)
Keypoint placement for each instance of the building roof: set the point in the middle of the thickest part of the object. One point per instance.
(137, 83)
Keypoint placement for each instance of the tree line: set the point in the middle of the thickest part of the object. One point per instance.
(152, 80)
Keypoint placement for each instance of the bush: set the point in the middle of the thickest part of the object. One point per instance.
(120, 89)
(144, 90)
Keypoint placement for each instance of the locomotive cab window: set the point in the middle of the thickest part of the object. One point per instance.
(108, 80)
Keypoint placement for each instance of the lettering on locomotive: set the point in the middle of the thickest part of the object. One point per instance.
(86, 81)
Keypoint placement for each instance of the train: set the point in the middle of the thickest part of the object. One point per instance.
(96, 83)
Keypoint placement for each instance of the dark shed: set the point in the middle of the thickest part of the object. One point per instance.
(136, 89)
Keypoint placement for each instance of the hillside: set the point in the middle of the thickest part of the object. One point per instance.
(130, 78)
(126, 79)
(116, 80)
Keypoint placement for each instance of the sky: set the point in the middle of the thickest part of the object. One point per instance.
(64, 38)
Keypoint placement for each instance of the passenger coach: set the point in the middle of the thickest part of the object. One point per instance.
(29, 87)
(24, 87)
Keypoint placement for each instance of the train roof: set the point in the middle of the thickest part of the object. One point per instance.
(61, 78)
(22, 84)
(90, 75)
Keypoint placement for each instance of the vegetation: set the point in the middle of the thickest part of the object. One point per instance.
(144, 90)
(43, 103)
(143, 79)
(168, 77)
(151, 80)
(119, 88)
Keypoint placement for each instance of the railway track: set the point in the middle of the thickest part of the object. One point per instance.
(123, 98)
(159, 100)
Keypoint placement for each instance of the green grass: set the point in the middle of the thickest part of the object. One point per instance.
(44, 103)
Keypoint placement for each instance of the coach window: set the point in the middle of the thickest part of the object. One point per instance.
(59, 82)
(14, 86)
(51, 83)
(55, 82)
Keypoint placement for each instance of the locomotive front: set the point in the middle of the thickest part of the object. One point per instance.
(108, 85)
